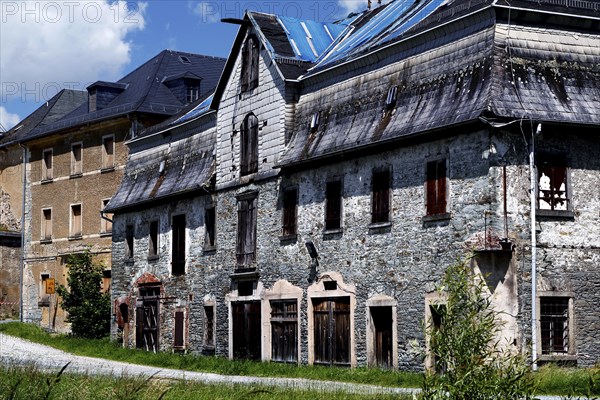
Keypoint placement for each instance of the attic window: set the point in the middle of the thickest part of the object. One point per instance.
(249, 78)
(392, 95)
(184, 60)
(314, 121)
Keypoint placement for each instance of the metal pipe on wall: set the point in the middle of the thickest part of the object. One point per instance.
(533, 199)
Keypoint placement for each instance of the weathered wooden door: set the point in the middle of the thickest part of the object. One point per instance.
(147, 319)
(382, 323)
(284, 331)
(332, 331)
(246, 330)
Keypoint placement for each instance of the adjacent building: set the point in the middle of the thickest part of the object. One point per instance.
(74, 160)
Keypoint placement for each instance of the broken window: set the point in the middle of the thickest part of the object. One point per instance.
(553, 193)
(153, 240)
(178, 245)
(284, 331)
(554, 325)
(76, 223)
(436, 187)
(108, 152)
(314, 121)
(47, 224)
(333, 205)
(246, 229)
(290, 205)
(249, 78)
(47, 172)
(210, 226)
(332, 331)
(392, 94)
(179, 330)
(249, 145)
(76, 159)
(129, 242)
(380, 207)
(209, 326)
(105, 224)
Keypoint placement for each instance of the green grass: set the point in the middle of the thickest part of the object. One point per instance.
(30, 383)
(551, 379)
(104, 348)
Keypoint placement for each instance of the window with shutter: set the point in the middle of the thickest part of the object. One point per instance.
(47, 224)
(250, 58)
(76, 223)
(76, 159)
(47, 171)
(246, 233)
(178, 245)
(108, 152)
(380, 211)
(436, 187)
(249, 145)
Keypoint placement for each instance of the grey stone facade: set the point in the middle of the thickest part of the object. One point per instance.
(447, 79)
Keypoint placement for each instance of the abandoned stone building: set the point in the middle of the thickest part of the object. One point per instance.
(307, 210)
(74, 160)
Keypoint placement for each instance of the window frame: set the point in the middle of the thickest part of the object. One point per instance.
(554, 161)
(340, 205)
(570, 340)
(108, 160)
(210, 227)
(153, 239)
(178, 244)
(105, 226)
(289, 212)
(46, 226)
(47, 171)
(192, 92)
(209, 334)
(249, 78)
(129, 242)
(247, 206)
(76, 166)
(72, 221)
(380, 200)
(249, 145)
(436, 186)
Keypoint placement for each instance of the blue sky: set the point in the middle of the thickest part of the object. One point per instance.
(49, 45)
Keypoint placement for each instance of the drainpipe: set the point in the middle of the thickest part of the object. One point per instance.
(533, 195)
(22, 233)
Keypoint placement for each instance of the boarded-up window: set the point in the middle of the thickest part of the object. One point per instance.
(436, 187)
(246, 330)
(47, 224)
(553, 192)
(332, 331)
(76, 159)
(105, 224)
(381, 196)
(76, 221)
(129, 242)
(153, 240)
(290, 205)
(246, 230)
(209, 326)
(108, 152)
(284, 331)
(249, 145)
(554, 324)
(249, 78)
(210, 226)
(178, 245)
(178, 336)
(47, 171)
(333, 205)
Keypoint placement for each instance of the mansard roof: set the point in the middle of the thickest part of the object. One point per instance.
(470, 60)
(141, 91)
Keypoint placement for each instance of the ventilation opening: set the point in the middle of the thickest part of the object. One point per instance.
(314, 122)
(184, 60)
(330, 285)
(245, 288)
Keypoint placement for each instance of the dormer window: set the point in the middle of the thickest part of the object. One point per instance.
(314, 121)
(392, 96)
(192, 90)
(249, 78)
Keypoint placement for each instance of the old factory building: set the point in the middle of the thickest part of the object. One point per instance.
(307, 210)
(72, 149)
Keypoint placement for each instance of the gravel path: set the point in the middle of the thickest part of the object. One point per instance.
(22, 352)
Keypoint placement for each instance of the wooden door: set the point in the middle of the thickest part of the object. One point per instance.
(382, 323)
(147, 319)
(246, 330)
(332, 331)
(284, 331)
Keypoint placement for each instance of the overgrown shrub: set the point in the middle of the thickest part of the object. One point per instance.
(472, 364)
(87, 306)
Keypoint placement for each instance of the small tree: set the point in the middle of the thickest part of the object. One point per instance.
(88, 307)
(466, 348)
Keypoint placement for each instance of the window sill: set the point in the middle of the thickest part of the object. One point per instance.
(76, 237)
(43, 304)
(558, 357)
(288, 239)
(47, 181)
(330, 232)
(210, 249)
(437, 217)
(153, 258)
(245, 274)
(105, 234)
(104, 170)
(565, 215)
(45, 241)
(75, 176)
(380, 227)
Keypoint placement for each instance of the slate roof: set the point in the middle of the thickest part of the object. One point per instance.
(144, 91)
(61, 104)
(539, 73)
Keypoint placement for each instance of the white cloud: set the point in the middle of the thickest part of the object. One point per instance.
(358, 5)
(208, 11)
(7, 119)
(46, 46)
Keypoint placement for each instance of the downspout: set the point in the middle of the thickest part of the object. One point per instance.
(22, 262)
(533, 199)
